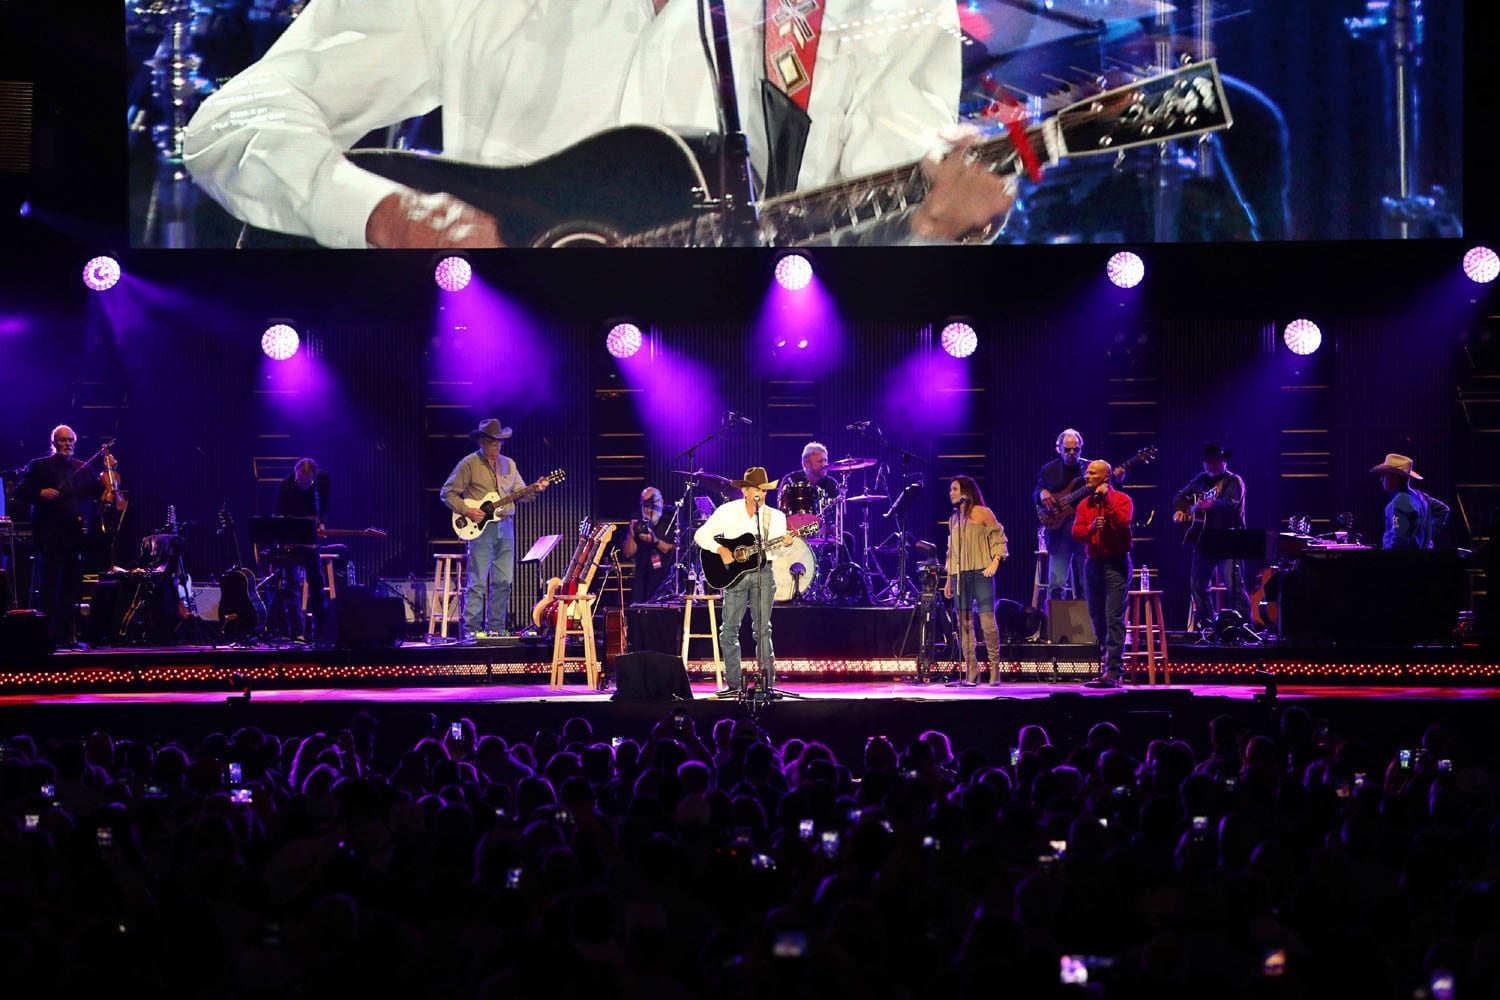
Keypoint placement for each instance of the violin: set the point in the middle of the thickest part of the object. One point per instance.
(112, 496)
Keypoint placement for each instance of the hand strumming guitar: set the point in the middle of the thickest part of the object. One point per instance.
(412, 220)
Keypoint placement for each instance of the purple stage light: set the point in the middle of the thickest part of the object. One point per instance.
(802, 344)
(1302, 336)
(452, 274)
(280, 342)
(101, 274)
(1125, 269)
(793, 272)
(25, 209)
(959, 339)
(1481, 265)
(624, 340)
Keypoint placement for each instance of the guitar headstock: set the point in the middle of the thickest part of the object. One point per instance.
(556, 476)
(810, 528)
(1185, 102)
(226, 519)
(1146, 454)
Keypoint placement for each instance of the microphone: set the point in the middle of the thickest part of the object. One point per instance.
(859, 425)
(739, 418)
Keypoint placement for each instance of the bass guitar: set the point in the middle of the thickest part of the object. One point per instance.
(241, 611)
(644, 186)
(1056, 511)
(354, 533)
(493, 502)
(747, 555)
(591, 543)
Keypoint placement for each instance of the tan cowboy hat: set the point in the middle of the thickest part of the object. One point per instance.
(490, 428)
(1396, 463)
(754, 476)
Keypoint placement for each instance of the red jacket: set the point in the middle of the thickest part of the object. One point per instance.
(1114, 538)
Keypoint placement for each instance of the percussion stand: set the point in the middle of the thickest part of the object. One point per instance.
(684, 574)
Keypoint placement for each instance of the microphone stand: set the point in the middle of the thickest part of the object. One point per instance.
(736, 173)
(669, 586)
(769, 691)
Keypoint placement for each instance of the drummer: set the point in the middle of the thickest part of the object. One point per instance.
(807, 493)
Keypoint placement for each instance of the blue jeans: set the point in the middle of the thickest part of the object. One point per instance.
(974, 588)
(492, 562)
(755, 590)
(1108, 581)
(1063, 551)
(1231, 575)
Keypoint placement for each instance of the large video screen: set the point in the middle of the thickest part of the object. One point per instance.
(559, 123)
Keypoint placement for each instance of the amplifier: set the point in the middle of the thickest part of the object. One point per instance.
(206, 597)
(414, 593)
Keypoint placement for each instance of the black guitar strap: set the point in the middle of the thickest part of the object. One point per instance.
(786, 139)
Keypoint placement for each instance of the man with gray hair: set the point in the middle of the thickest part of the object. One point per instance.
(649, 545)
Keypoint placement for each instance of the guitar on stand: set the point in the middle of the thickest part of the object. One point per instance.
(242, 613)
(616, 628)
(581, 568)
(493, 502)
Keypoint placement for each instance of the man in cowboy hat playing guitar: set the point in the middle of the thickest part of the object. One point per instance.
(1412, 518)
(492, 554)
(755, 588)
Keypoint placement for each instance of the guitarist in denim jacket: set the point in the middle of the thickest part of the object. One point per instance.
(1213, 500)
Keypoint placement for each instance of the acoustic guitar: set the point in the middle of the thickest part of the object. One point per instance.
(241, 611)
(747, 555)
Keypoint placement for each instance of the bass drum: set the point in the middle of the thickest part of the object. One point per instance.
(794, 571)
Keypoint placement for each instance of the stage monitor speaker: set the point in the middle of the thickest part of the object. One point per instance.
(369, 622)
(23, 638)
(206, 598)
(650, 677)
(1068, 623)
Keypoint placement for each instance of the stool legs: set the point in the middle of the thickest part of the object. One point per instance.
(711, 600)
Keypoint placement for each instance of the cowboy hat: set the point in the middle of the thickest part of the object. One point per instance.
(1216, 450)
(490, 428)
(754, 476)
(1399, 464)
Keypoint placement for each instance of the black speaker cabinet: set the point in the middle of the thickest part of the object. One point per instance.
(1068, 623)
(369, 622)
(650, 677)
(23, 641)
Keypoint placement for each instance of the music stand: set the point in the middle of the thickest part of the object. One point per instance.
(541, 548)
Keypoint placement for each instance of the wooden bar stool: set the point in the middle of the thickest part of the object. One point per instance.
(447, 582)
(1146, 632)
(713, 632)
(569, 607)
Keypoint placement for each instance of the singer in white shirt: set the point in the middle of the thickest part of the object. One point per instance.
(754, 588)
(519, 80)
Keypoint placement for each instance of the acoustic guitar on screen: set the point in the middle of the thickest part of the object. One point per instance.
(493, 502)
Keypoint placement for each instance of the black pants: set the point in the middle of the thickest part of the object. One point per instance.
(59, 574)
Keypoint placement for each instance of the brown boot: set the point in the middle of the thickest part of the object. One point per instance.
(991, 643)
(966, 644)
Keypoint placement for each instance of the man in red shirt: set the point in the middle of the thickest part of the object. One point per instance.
(1102, 523)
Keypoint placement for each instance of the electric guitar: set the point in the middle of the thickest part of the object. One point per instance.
(1056, 511)
(354, 532)
(492, 502)
(580, 574)
(747, 555)
(644, 186)
(1192, 528)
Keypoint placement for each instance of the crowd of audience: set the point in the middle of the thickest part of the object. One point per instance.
(1283, 863)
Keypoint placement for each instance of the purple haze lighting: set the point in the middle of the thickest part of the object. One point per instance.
(1482, 265)
(793, 272)
(452, 274)
(1302, 336)
(624, 340)
(101, 274)
(1125, 269)
(959, 339)
(280, 342)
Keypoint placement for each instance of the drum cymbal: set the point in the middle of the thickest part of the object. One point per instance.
(850, 464)
(707, 477)
(867, 498)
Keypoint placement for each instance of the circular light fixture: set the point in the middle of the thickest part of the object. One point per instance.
(794, 272)
(1302, 336)
(959, 339)
(452, 274)
(624, 340)
(101, 274)
(1481, 265)
(1125, 269)
(280, 342)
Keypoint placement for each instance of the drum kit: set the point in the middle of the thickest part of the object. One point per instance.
(831, 523)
